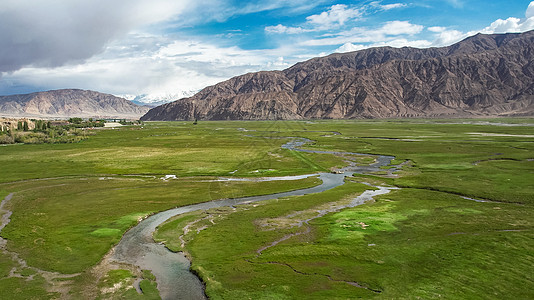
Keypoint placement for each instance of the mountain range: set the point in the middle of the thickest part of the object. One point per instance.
(481, 76)
(69, 103)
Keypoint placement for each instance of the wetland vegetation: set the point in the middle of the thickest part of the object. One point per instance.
(71, 204)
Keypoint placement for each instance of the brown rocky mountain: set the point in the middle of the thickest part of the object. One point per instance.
(69, 103)
(483, 75)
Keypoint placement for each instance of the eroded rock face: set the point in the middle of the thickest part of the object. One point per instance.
(69, 103)
(484, 75)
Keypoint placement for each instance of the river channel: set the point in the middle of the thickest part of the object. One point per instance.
(173, 277)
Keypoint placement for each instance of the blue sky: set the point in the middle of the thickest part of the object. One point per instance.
(166, 49)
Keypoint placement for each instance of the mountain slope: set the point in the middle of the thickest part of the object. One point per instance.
(69, 103)
(483, 75)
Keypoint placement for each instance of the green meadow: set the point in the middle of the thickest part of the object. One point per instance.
(73, 202)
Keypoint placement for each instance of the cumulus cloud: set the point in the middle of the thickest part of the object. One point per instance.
(386, 32)
(530, 10)
(51, 33)
(336, 16)
(510, 25)
(349, 47)
(446, 37)
(152, 65)
(401, 27)
(436, 29)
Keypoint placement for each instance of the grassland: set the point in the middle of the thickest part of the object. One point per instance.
(73, 202)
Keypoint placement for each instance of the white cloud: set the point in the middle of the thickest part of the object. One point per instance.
(222, 10)
(401, 27)
(530, 10)
(284, 29)
(266, 5)
(336, 16)
(436, 29)
(366, 35)
(349, 47)
(279, 63)
(50, 33)
(155, 66)
(377, 4)
(42, 40)
(510, 25)
(53, 33)
(390, 34)
(393, 6)
(447, 37)
(333, 18)
(402, 42)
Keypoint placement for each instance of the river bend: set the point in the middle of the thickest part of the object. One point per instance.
(173, 277)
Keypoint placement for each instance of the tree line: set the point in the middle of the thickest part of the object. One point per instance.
(45, 131)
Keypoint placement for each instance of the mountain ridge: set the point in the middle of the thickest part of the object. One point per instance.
(64, 103)
(483, 75)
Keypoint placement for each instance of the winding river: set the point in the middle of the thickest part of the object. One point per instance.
(173, 277)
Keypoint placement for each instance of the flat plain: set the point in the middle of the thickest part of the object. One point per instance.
(427, 239)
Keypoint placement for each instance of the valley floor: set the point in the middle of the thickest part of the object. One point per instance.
(458, 222)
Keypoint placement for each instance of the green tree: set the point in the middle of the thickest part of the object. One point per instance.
(25, 126)
(38, 125)
(19, 125)
(75, 120)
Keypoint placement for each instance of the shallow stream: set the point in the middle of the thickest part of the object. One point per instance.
(173, 277)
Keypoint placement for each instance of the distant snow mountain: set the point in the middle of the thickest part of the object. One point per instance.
(154, 100)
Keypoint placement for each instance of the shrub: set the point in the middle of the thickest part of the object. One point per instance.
(6, 139)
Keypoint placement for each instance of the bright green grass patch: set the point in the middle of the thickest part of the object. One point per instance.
(117, 284)
(349, 224)
(148, 275)
(149, 288)
(116, 276)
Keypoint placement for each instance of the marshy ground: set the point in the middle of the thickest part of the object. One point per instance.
(71, 203)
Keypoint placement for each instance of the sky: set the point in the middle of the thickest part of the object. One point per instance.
(167, 49)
